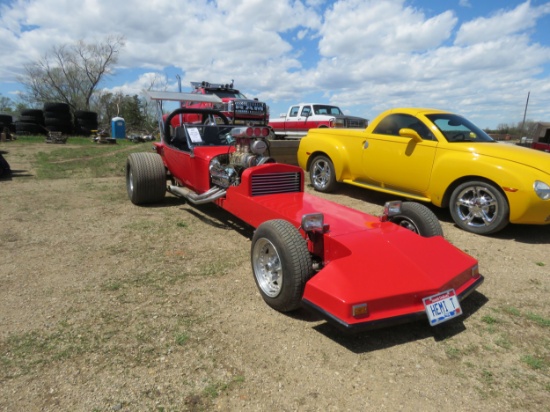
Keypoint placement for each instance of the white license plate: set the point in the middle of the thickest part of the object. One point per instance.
(442, 307)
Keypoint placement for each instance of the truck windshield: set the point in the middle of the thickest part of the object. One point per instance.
(323, 109)
(458, 129)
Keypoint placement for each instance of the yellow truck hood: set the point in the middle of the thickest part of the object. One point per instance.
(528, 157)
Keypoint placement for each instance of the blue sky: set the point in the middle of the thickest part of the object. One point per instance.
(478, 58)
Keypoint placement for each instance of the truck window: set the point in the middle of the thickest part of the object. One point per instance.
(333, 110)
(294, 111)
(306, 111)
(395, 122)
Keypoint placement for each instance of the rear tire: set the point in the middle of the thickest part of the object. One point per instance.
(418, 218)
(281, 264)
(145, 178)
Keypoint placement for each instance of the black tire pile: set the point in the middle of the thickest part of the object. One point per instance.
(85, 122)
(31, 122)
(58, 118)
(55, 117)
(6, 121)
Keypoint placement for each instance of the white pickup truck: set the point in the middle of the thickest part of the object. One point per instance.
(304, 116)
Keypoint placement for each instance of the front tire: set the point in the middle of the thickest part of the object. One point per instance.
(322, 175)
(419, 219)
(145, 178)
(479, 207)
(281, 264)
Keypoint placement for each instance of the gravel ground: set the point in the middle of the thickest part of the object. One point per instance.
(105, 306)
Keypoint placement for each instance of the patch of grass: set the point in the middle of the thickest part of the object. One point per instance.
(511, 310)
(487, 377)
(540, 264)
(503, 342)
(181, 338)
(539, 320)
(87, 160)
(534, 362)
(143, 225)
(213, 269)
(452, 352)
(489, 320)
(112, 286)
(26, 140)
(22, 353)
(213, 390)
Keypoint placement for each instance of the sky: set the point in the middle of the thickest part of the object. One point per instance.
(478, 58)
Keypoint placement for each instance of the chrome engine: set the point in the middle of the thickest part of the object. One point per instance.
(250, 147)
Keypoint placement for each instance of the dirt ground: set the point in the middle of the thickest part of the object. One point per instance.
(106, 306)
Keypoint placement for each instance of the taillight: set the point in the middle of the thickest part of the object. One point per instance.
(360, 310)
(475, 271)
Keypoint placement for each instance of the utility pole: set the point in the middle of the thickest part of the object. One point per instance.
(525, 113)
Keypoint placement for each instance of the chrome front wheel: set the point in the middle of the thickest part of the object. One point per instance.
(479, 207)
(281, 264)
(267, 267)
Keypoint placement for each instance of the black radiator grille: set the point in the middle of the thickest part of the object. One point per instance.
(271, 183)
(358, 123)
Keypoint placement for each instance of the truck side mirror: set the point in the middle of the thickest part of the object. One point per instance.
(413, 134)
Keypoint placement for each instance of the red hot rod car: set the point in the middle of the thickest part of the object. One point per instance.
(356, 270)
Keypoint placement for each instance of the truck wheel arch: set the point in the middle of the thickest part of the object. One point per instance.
(338, 168)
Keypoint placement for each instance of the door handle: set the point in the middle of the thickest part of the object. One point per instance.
(365, 144)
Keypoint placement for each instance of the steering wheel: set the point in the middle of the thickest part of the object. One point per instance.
(207, 112)
(459, 137)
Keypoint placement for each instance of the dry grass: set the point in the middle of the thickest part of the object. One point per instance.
(108, 306)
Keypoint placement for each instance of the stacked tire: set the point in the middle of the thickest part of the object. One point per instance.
(6, 121)
(85, 122)
(58, 118)
(31, 122)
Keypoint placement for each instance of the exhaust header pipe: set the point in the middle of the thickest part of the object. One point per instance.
(206, 197)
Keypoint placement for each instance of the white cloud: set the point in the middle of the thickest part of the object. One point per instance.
(380, 27)
(502, 24)
(146, 81)
(363, 54)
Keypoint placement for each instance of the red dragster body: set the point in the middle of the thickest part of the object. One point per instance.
(357, 270)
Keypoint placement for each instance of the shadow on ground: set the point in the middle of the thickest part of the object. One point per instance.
(379, 339)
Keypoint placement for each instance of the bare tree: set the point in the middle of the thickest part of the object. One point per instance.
(71, 73)
(156, 82)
